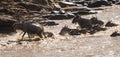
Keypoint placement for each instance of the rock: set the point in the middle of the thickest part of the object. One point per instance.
(110, 24)
(115, 34)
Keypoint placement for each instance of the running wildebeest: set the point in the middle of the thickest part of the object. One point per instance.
(65, 30)
(110, 24)
(83, 23)
(92, 26)
(30, 28)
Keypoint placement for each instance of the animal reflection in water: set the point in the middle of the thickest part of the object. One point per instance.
(65, 30)
(31, 28)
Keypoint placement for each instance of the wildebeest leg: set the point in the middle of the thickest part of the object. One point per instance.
(29, 35)
(23, 35)
(20, 33)
(44, 35)
(40, 35)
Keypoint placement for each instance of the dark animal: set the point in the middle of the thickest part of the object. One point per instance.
(30, 28)
(83, 23)
(114, 34)
(110, 24)
(66, 30)
(96, 22)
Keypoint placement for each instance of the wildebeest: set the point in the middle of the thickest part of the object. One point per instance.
(83, 23)
(113, 1)
(65, 30)
(110, 24)
(114, 34)
(92, 26)
(30, 28)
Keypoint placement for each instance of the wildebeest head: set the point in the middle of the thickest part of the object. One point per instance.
(64, 30)
(76, 19)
